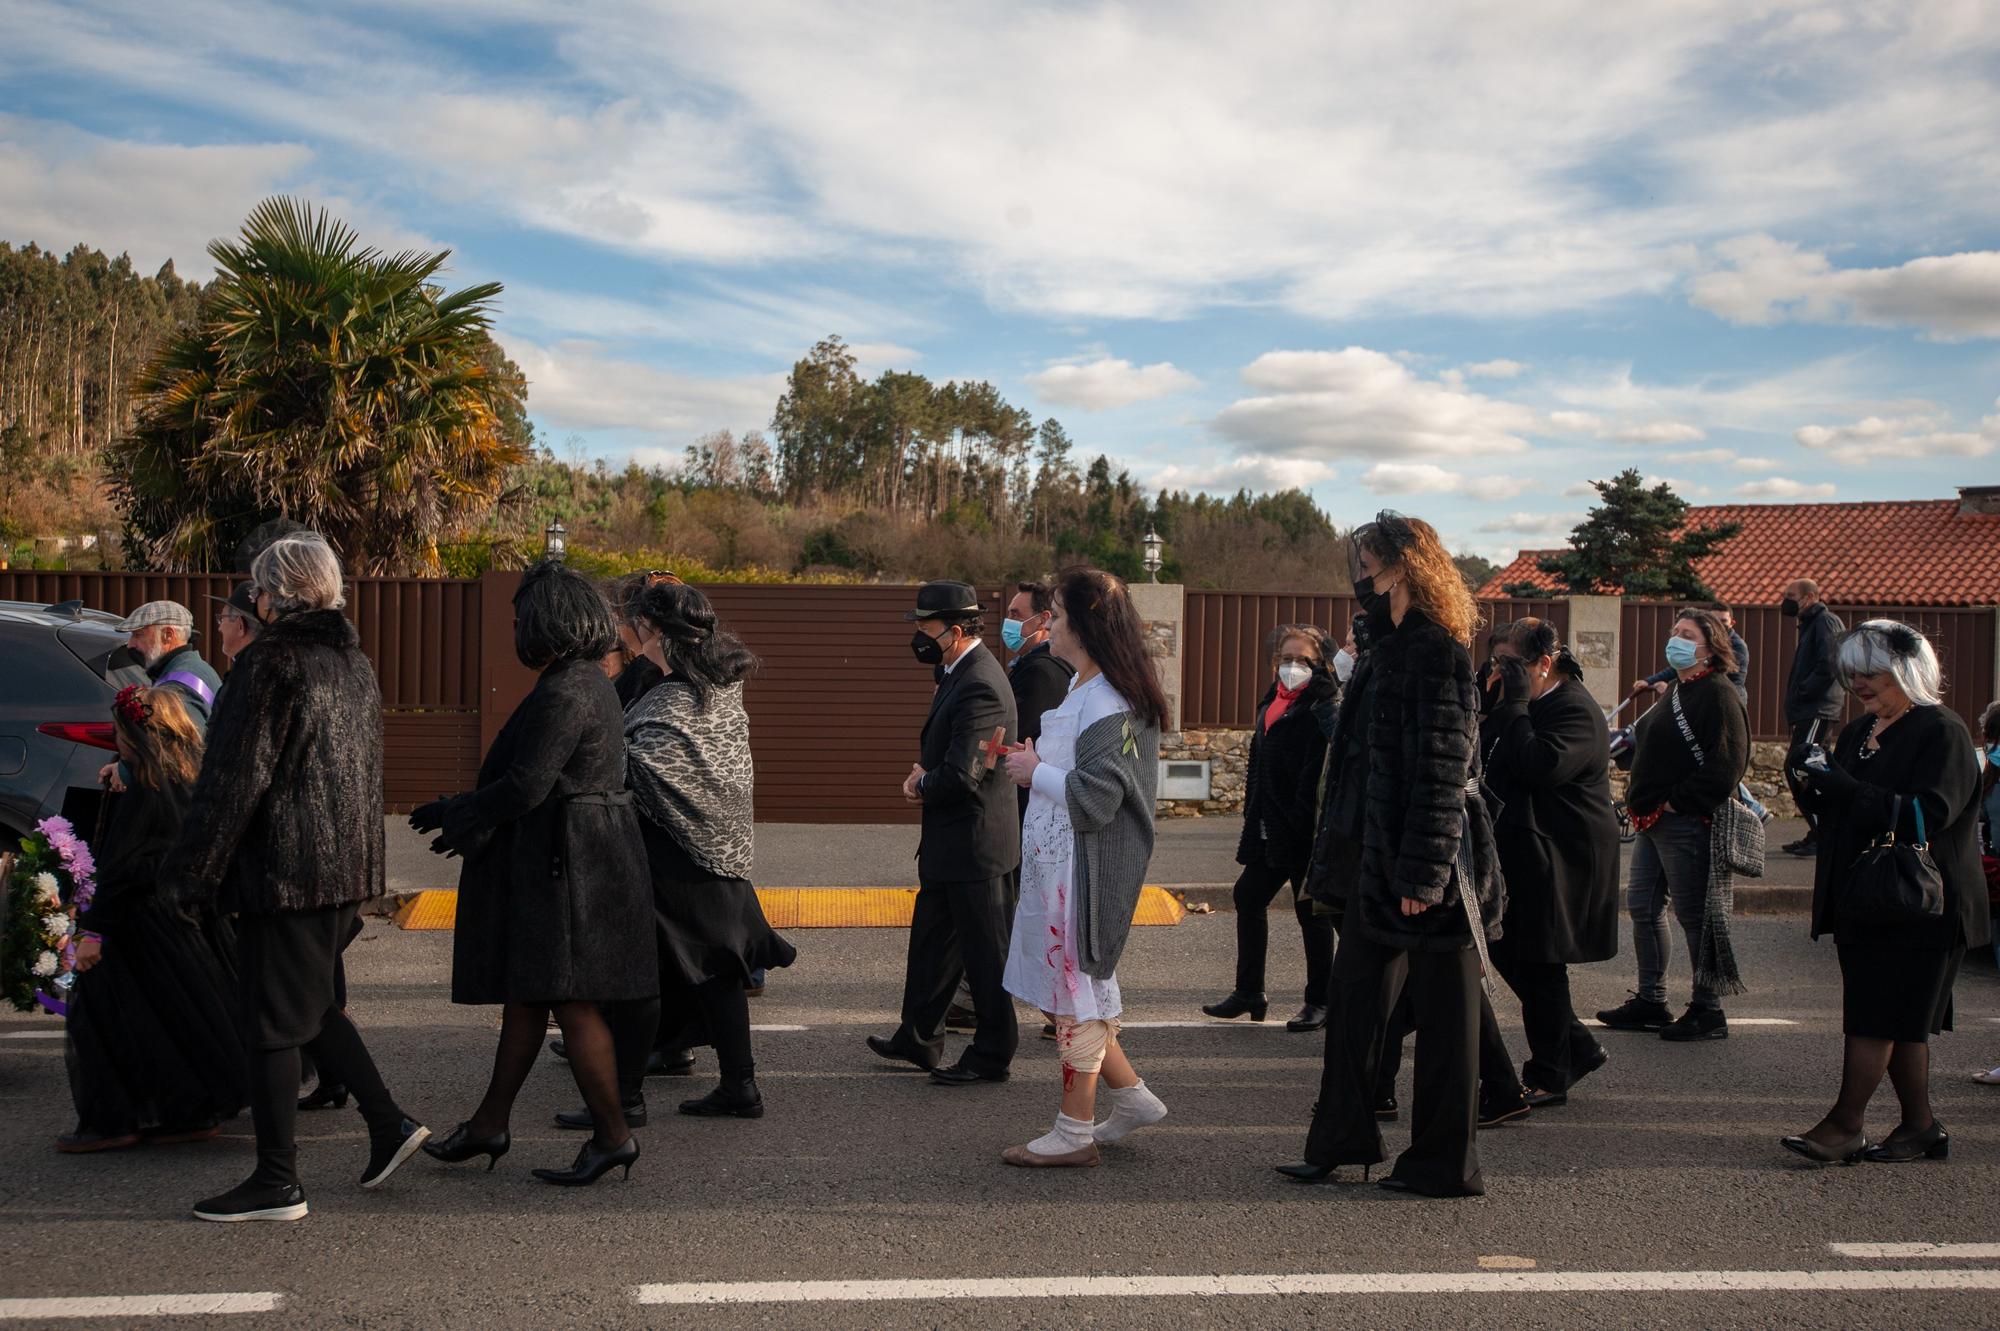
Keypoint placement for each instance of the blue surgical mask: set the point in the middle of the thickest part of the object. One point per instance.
(1682, 654)
(1010, 633)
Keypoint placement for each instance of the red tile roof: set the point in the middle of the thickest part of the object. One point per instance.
(1896, 552)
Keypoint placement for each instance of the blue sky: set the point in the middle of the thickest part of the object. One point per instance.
(1455, 260)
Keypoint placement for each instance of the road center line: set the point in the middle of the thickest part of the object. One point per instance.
(1940, 1251)
(1733, 1021)
(32, 1035)
(1384, 1282)
(139, 1305)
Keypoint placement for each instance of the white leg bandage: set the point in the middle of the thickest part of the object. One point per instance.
(1081, 1045)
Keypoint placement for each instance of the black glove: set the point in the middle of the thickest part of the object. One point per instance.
(429, 817)
(1515, 684)
(1833, 784)
(444, 848)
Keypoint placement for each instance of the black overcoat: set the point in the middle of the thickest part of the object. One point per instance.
(1926, 756)
(1281, 786)
(972, 820)
(1040, 681)
(1548, 764)
(1423, 729)
(555, 902)
(1343, 795)
(287, 812)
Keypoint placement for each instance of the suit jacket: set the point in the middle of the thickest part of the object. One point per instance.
(1040, 680)
(972, 821)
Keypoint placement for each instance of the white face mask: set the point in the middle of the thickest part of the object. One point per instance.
(1343, 665)
(1293, 675)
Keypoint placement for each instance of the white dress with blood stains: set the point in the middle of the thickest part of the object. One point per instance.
(1042, 959)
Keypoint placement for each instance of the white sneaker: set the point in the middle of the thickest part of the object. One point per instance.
(1132, 1108)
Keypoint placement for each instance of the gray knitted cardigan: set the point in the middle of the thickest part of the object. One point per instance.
(1110, 793)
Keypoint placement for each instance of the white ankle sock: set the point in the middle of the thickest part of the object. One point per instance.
(1069, 1134)
(1132, 1107)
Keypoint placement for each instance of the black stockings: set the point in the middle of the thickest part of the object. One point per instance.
(1863, 1063)
(586, 1039)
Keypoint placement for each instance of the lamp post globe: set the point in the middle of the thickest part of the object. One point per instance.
(1153, 545)
(553, 544)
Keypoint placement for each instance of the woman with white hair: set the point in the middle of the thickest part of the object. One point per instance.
(284, 830)
(1898, 885)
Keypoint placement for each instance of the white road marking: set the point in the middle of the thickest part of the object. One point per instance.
(1385, 1282)
(1733, 1021)
(140, 1305)
(781, 1028)
(1941, 1251)
(32, 1035)
(1211, 1024)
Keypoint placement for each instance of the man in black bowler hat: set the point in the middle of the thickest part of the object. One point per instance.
(970, 850)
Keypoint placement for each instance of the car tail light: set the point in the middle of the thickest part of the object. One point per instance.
(97, 734)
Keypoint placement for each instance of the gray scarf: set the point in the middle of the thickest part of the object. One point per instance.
(689, 767)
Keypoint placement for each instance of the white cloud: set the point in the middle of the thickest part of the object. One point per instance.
(576, 386)
(1656, 432)
(1494, 369)
(1768, 281)
(1576, 421)
(1246, 472)
(1874, 439)
(1389, 478)
(1362, 403)
(780, 322)
(1720, 457)
(1783, 487)
(1108, 382)
(1532, 524)
(60, 187)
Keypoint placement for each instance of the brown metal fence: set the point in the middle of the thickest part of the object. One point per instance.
(1226, 648)
(1963, 638)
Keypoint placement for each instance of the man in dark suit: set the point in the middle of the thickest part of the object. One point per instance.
(970, 850)
(1039, 678)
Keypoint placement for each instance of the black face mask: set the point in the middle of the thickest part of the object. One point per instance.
(1789, 607)
(1371, 601)
(926, 648)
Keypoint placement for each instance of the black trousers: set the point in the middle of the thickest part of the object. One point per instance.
(1558, 1043)
(961, 929)
(1255, 887)
(714, 1012)
(1369, 979)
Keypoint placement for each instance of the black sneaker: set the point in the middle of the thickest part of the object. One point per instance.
(1697, 1023)
(388, 1151)
(255, 1201)
(1495, 1112)
(1805, 847)
(1636, 1014)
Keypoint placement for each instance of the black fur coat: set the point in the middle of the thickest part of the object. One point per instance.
(1422, 748)
(287, 812)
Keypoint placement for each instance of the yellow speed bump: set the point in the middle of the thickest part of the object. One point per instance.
(803, 908)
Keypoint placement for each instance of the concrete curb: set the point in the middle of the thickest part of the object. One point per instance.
(1751, 898)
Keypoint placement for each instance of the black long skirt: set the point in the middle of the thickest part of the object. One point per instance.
(709, 926)
(1897, 993)
(152, 1028)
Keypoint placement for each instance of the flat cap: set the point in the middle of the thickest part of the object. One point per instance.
(157, 612)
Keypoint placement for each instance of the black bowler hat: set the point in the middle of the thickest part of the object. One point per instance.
(945, 600)
(243, 600)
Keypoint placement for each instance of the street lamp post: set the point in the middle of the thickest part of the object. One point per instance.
(1153, 545)
(553, 544)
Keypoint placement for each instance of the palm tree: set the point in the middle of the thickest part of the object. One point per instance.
(326, 382)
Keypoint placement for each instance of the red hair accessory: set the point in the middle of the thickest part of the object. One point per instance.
(135, 712)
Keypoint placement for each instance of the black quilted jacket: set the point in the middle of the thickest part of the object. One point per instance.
(1281, 789)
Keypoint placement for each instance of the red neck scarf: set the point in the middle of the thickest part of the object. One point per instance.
(1282, 703)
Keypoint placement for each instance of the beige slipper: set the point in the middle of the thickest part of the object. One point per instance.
(1021, 1155)
(1988, 1078)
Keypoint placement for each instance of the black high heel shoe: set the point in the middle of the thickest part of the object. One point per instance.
(461, 1145)
(1933, 1143)
(1846, 1153)
(593, 1163)
(1307, 1172)
(1236, 1005)
(325, 1097)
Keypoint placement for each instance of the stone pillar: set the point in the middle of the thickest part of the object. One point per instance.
(1162, 610)
(1595, 623)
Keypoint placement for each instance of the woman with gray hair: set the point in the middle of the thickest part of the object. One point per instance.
(284, 830)
(1902, 915)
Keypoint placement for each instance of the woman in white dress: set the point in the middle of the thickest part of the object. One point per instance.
(1085, 844)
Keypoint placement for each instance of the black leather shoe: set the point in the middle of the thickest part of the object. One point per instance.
(325, 1097)
(592, 1164)
(579, 1120)
(1307, 1172)
(255, 1201)
(960, 1075)
(388, 1151)
(1636, 1014)
(729, 1100)
(559, 1049)
(1492, 1115)
(960, 1020)
(1933, 1143)
(659, 1065)
(1387, 1110)
(1697, 1023)
(1536, 1098)
(1844, 1153)
(1048, 1030)
(1236, 1005)
(1589, 1065)
(461, 1146)
(1310, 1018)
(887, 1048)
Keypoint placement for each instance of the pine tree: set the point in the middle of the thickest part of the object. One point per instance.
(1636, 543)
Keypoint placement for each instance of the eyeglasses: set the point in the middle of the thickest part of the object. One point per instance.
(1287, 658)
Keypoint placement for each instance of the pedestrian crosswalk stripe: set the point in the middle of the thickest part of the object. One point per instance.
(1903, 1251)
(138, 1305)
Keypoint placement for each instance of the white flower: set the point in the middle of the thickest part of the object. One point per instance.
(50, 889)
(46, 964)
(56, 926)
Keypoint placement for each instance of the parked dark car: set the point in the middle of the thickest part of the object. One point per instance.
(60, 667)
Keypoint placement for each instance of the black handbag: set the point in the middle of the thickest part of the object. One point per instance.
(1893, 883)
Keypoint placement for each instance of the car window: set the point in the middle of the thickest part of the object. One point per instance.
(102, 648)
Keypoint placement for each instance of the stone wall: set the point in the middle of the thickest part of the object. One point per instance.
(1228, 756)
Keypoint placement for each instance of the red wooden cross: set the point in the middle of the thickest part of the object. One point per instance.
(996, 748)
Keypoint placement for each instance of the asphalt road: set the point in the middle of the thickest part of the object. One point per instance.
(1666, 1162)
